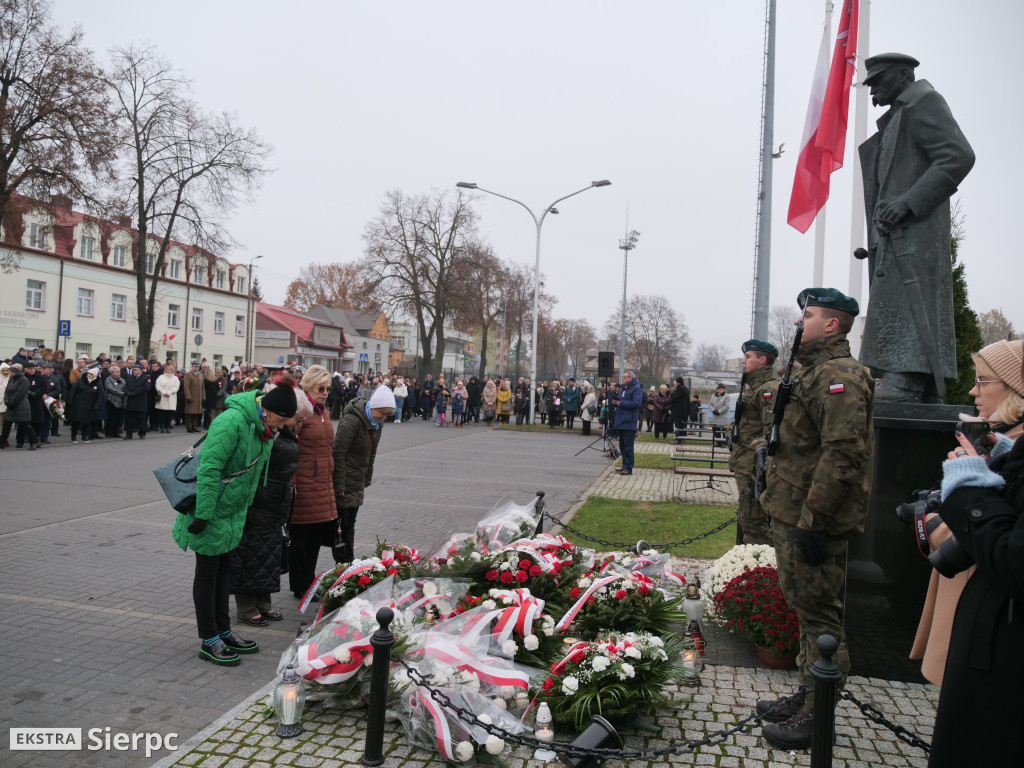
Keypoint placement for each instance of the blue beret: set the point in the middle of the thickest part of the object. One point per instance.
(827, 297)
(756, 345)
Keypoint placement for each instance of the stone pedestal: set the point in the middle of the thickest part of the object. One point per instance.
(887, 576)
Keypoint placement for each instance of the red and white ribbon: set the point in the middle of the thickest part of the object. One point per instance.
(488, 668)
(571, 613)
(438, 722)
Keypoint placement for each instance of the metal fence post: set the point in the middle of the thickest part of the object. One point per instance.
(382, 640)
(826, 676)
(540, 514)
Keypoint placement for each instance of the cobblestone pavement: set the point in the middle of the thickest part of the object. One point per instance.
(245, 737)
(663, 485)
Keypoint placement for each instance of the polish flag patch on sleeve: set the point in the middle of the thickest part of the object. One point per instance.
(767, 395)
(834, 389)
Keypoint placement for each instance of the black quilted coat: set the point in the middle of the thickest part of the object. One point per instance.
(256, 563)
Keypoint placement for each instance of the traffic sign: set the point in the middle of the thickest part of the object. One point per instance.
(64, 328)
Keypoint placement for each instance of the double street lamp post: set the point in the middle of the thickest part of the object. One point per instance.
(536, 270)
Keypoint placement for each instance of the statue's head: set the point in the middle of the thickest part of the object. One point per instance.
(888, 75)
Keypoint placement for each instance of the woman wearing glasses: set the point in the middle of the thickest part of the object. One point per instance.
(314, 516)
(975, 650)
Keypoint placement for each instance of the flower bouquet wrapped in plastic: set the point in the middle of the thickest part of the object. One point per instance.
(56, 409)
(620, 602)
(428, 599)
(506, 523)
(650, 563)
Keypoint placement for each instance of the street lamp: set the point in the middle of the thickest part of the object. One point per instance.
(627, 244)
(536, 269)
(251, 324)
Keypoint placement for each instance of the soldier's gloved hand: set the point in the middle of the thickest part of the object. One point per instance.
(197, 526)
(812, 545)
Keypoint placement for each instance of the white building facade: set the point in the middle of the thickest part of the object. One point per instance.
(74, 289)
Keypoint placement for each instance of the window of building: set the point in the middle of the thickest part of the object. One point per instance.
(364, 345)
(83, 349)
(175, 269)
(85, 300)
(37, 236)
(173, 354)
(218, 361)
(241, 284)
(220, 279)
(197, 319)
(117, 305)
(218, 322)
(378, 347)
(116, 352)
(150, 263)
(35, 295)
(119, 257)
(173, 312)
(197, 273)
(88, 244)
(239, 325)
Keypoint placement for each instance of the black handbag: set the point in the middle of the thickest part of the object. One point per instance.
(177, 478)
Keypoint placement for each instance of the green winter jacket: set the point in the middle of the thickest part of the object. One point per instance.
(232, 443)
(355, 448)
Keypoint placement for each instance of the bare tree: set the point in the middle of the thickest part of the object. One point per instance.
(656, 335)
(995, 326)
(580, 337)
(57, 132)
(482, 302)
(416, 248)
(186, 170)
(551, 352)
(339, 284)
(782, 328)
(710, 357)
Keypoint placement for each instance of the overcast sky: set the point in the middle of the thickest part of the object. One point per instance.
(537, 99)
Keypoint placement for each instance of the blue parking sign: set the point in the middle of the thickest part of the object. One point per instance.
(64, 328)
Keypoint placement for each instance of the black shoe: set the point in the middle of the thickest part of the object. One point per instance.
(273, 615)
(34, 446)
(240, 645)
(795, 733)
(127, 437)
(624, 471)
(779, 712)
(219, 654)
(98, 437)
(254, 621)
(142, 437)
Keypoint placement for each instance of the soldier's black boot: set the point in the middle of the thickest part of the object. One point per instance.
(795, 733)
(779, 711)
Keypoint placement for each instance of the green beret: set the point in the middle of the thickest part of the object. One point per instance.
(827, 297)
(756, 345)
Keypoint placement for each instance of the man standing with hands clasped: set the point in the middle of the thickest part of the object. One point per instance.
(818, 484)
(627, 414)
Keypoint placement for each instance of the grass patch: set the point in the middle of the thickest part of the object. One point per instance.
(658, 522)
(664, 461)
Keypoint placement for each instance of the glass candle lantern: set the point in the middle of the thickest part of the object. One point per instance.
(544, 731)
(289, 699)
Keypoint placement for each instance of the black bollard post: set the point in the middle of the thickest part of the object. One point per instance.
(383, 640)
(540, 514)
(826, 676)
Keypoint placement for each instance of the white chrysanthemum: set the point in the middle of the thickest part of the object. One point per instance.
(343, 656)
(484, 718)
(531, 643)
(599, 663)
(429, 589)
(627, 671)
(506, 566)
(570, 685)
(490, 605)
(474, 556)
(378, 566)
(463, 751)
(521, 698)
(585, 582)
(494, 745)
(633, 652)
(368, 660)
(509, 647)
(500, 704)
(508, 692)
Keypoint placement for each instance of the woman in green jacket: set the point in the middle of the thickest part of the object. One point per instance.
(231, 465)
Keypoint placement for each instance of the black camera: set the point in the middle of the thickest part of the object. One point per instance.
(949, 558)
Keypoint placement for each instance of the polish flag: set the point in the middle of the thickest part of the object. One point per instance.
(828, 112)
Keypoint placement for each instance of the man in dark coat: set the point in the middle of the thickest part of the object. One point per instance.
(36, 388)
(136, 410)
(18, 409)
(627, 417)
(473, 391)
(679, 405)
(911, 167)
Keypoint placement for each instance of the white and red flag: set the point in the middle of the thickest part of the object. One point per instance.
(828, 111)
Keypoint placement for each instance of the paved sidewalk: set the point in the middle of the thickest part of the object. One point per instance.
(661, 484)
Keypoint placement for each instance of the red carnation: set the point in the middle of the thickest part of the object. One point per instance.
(535, 570)
(574, 592)
(644, 589)
(522, 576)
(506, 578)
(491, 575)
(392, 572)
(549, 683)
(524, 564)
(620, 594)
(364, 580)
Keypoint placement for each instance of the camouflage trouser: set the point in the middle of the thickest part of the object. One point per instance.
(818, 595)
(755, 523)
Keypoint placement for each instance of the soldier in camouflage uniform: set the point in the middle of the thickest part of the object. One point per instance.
(755, 412)
(818, 484)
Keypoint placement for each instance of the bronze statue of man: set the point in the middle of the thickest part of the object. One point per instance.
(911, 168)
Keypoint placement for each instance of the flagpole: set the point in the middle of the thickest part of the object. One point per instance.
(763, 275)
(821, 219)
(858, 226)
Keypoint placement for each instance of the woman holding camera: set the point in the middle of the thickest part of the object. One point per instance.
(983, 502)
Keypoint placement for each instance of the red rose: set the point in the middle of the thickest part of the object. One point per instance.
(506, 578)
(535, 570)
(364, 580)
(574, 592)
(491, 575)
(524, 564)
(522, 576)
(620, 594)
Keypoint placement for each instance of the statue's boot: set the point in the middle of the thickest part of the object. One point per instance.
(907, 388)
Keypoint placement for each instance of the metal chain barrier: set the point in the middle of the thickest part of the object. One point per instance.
(564, 748)
(623, 545)
(875, 716)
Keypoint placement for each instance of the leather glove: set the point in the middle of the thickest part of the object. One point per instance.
(812, 545)
(197, 526)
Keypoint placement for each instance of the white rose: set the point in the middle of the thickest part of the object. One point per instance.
(463, 751)
(474, 555)
(570, 685)
(584, 582)
(429, 589)
(531, 643)
(494, 745)
(509, 647)
(599, 663)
